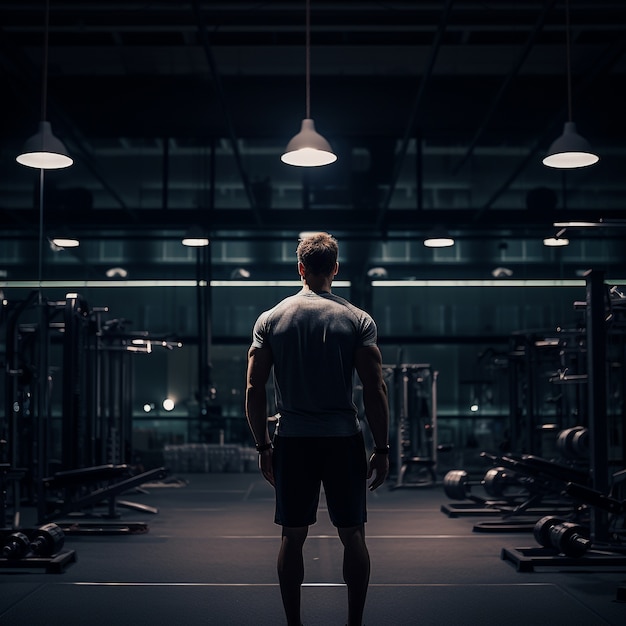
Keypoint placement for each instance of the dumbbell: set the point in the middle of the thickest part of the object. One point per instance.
(457, 484)
(496, 480)
(16, 547)
(49, 540)
(567, 538)
(573, 443)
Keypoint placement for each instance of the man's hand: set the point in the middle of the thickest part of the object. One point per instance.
(266, 466)
(368, 363)
(379, 468)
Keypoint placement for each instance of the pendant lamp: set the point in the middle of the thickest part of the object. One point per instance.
(308, 148)
(43, 150)
(62, 241)
(570, 150)
(556, 242)
(438, 238)
(195, 237)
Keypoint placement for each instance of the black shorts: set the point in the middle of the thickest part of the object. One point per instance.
(303, 464)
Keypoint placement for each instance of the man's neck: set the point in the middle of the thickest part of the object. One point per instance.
(323, 285)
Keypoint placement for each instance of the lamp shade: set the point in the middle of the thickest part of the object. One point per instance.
(64, 241)
(45, 151)
(555, 242)
(308, 148)
(570, 150)
(195, 237)
(438, 238)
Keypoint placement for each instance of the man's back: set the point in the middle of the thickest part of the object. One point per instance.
(313, 338)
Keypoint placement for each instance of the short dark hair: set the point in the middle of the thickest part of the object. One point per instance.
(318, 253)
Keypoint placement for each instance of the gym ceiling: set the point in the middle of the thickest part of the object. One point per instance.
(176, 114)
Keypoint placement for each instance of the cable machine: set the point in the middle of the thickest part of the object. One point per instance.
(84, 454)
(413, 424)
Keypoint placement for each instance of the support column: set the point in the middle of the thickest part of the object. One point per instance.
(597, 402)
(204, 310)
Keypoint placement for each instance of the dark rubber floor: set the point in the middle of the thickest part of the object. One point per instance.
(209, 558)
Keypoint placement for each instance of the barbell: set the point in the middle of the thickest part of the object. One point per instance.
(457, 483)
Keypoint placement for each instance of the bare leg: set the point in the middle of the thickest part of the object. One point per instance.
(356, 571)
(291, 571)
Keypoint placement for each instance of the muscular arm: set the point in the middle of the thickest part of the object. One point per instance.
(260, 363)
(368, 363)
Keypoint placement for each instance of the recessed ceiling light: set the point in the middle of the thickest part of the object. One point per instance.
(116, 272)
(501, 272)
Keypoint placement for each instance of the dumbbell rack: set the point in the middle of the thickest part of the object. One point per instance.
(54, 564)
(527, 559)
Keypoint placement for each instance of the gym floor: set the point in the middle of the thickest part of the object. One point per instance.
(210, 551)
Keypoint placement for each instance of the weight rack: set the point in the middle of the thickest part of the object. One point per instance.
(55, 564)
(527, 559)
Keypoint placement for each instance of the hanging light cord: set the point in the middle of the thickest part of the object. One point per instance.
(40, 258)
(569, 61)
(308, 59)
(44, 71)
(44, 99)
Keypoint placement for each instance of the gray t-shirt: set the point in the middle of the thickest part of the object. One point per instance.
(313, 337)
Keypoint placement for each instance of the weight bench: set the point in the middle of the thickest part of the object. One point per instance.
(118, 479)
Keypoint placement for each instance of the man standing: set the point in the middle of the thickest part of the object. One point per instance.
(315, 341)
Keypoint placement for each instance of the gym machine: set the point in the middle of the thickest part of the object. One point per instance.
(83, 458)
(412, 390)
(545, 394)
(605, 324)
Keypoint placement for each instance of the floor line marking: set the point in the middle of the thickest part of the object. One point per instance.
(309, 584)
(369, 537)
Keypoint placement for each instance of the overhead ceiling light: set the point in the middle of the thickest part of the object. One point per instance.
(308, 148)
(116, 272)
(576, 224)
(570, 150)
(239, 272)
(555, 242)
(601, 223)
(63, 242)
(377, 272)
(501, 272)
(43, 150)
(195, 237)
(438, 238)
(558, 240)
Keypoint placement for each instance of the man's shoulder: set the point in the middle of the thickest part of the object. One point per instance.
(351, 307)
(277, 309)
(307, 303)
